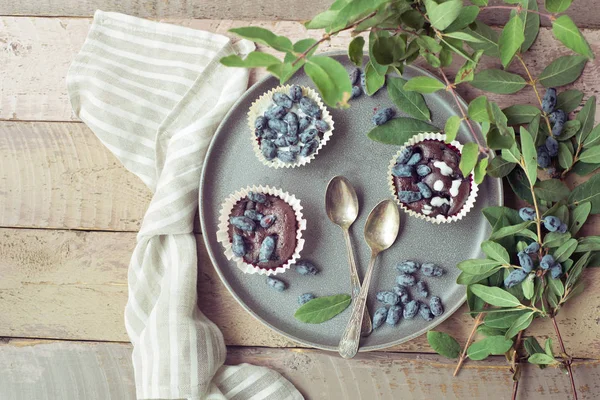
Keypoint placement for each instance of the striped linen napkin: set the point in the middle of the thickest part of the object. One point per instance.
(154, 95)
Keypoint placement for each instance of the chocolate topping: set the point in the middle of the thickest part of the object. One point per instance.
(283, 228)
(450, 190)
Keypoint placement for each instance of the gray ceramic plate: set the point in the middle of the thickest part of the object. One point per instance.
(231, 165)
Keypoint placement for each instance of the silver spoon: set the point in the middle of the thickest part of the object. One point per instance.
(341, 204)
(381, 231)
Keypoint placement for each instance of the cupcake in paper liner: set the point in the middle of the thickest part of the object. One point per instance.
(289, 125)
(260, 228)
(426, 181)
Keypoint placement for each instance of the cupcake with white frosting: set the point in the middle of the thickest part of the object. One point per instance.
(426, 180)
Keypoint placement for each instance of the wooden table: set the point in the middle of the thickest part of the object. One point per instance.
(69, 213)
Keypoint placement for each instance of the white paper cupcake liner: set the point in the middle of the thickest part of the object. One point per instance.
(223, 232)
(439, 219)
(264, 102)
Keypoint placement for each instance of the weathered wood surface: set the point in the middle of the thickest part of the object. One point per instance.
(73, 285)
(37, 53)
(40, 370)
(299, 10)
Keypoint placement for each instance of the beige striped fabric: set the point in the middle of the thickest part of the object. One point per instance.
(154, 95)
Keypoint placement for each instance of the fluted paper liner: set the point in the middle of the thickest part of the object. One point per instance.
(223, 232)
(264, 102)
(439, 219)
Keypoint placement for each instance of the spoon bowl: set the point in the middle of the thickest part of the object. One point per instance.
(341, 202)
(381, 228)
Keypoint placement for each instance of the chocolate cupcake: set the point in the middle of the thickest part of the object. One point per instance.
(426, 180)
(261, 229)
(289, 126)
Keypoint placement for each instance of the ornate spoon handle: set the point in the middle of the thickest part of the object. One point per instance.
(366, 326)
(350, 339)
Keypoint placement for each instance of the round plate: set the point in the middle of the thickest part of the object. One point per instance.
(231, 165)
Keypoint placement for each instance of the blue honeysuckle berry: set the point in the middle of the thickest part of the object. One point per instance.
(243, 223)
(558, 116)
(384, 115)
(543, 157)
(267, 248)
(549, 100)
(322, 126)
(435, 305)
(278, 126)
(406, 280)
(356, 91)
(309, 107)
(260, 123)
(295, 93)
(527, 214)
(402, 292)
(557, 128)
(430, 269)
(257, 197)
(425, 312)
(425, 190)
(292, 120)
(421, 289)
(402, 170)
(547, 261)
(388, 298)
(238, 245)
(286, 156)
(408, 266)
(304, 123)
(556, 270)
(563, 228)
(276, 284)
(267, 221)
(282, 99)
(407, 196)
(393, 316)
(552, 146)
(305, 298)
(308, 135)
(414, 159)
(532, 248)
(304, 267)
(514, 278)
(309, 148)
(405, 155)
(423, 170)
(525, 261)
(354, 76)
(552, 223)
(410, 309)
(379, 317)
(275, 112)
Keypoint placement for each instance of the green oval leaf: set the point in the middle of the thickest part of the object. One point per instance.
(520, 184)
(551, 190)
(569, 100)
(331, 79)
(495, 251)
(488, 38)
(499, 167)
(479, 111)
(590, 155)
(442, 15)
(557, 6)
(466, 17)
(520, 323)
(562, 71)
(478, 266)
(593, 138)
(586, 117)
(529, 155)
(322, 309)
(480, 170)
(373, 80)
(541, 359)
(518, 229)
(587, 191)
(464, 36)
(579, 215)
(565, 30)
(531, 23)
(254, 59)
(443, 344)
(556, 239)
(520, 114)
(469, 157)
(451, 128)
(264, 37)
(511, 39)
(495, 345)
(513, 154)
(528, 287)
(424, 84)
(495, 296)
(498, 81)
(565, 250)
(398, 130)
(355, 50)
(410, 102)
(502, 320)
(570, 129)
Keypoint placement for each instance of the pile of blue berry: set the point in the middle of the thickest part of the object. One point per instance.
(557, 117)
(398, 301)
(285, 134)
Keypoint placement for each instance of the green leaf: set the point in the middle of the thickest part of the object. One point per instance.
(497, 81)
(254, 59)
(556, 286)
(353, 10)
(520, 323)
(373, 37)
(480, 170)
(478, 110)
(265, 37)
(528, 286)
(569, 130)
(443, 344)
(496, 140)
(495, 251)
(495, 345)
(331, 78)
(565, 157)
(487, 331)
(511, 39)
(587, 191)
(451, 128)
(557, 6)
(520, 114)
(499, 167)
(512, 154)
(551, 190)
(518, 229)
(569, 100)
(548, 347)
(463, 36)
(502, 320)
(467, 279)
(588, 243)
(388, 50)
(466, 17)
(529, 155)
(520, 185)
(565, 30)
(532, 346)
(466, 72)
(578, 216)
(495, 296)
(586, 117)
(410, 102)
(531, 23)
(556, 239)
(565, 250)
(488, 37)
(583, 169)
(322, 309)
(541, 359)
(575, 272)
(469, 157)
(355, 50)
(590, 155)
(373, 80)
(398, 130)
(495, 214)
(593, 138)
(442, 15)
(478, 266)
(424, 84)
(534, 129)
(562, 71)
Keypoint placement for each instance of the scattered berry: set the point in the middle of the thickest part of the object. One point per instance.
(393, 316)
(308, 135)
(409, 267)
(430, 269)
(321, 125)
(276, 284)
(305, 298)
(421, 289)
(406, 280)
(275, 112)
(402, 170)
(423, 170)
(286, 156)
(425, 312)
(402, 292)
(379, 317)
(260, 123)
(257, 197)
(407, 196)
(309, 148)
(435, 305)
(295, 93)
(414, 159)
(303, 123)
(410, 309)
(309, 107)
(388, 298)
(292, 120)
(278, 126)
(304, 267)
(384, 115)
(356, 91)
(405, 155)
(267, 221)
(425, 190)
